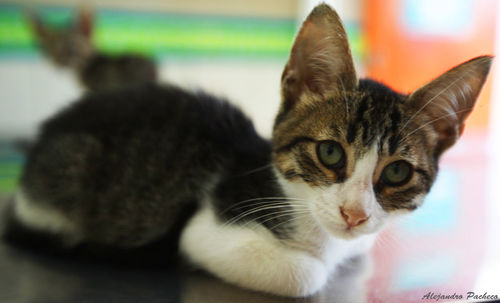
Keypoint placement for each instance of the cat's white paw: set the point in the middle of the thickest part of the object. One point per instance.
(251, 257)
(305, 278)
(280, 272)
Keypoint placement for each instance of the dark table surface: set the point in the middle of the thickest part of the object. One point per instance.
(31, 277)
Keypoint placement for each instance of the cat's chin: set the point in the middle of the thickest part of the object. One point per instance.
(345, 234)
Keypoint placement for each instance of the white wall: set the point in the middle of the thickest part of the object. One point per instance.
(253, 86)
(32, 90)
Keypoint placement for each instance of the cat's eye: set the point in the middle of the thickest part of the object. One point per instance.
(331, 154)
(397, 173)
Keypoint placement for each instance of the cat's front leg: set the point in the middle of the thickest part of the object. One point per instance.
(250, 257)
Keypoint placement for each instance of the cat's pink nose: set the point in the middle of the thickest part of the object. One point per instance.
(353, 217)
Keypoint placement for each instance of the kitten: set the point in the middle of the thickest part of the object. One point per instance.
(71, 47)
(347, 156)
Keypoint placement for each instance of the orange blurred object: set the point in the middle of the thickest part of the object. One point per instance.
(406, 57)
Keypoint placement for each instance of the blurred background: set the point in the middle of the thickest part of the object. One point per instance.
(237, 49)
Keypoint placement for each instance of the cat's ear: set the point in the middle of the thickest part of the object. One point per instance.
(36, 24)
(84, 21)
(320, 58)
(448, 100)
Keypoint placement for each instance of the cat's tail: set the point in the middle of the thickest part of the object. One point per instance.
(19, 235)
(16, 233)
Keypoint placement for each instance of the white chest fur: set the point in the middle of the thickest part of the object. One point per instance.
(252, 257)
(313, 239)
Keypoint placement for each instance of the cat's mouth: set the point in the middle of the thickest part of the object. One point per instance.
(346, 232)
(338, 229)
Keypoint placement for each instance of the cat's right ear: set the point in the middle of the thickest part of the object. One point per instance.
(445, 102)
(84, 22)
(320, 59)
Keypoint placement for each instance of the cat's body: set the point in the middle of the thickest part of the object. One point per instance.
(124, 142)
(93, 152)
(347, 156)
(71, 47)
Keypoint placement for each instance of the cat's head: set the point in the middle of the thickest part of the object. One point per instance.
(356, 151)
(67, 46)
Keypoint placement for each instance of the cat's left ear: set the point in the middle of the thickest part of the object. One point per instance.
(320, 59)
(448, 100)
(36, 23)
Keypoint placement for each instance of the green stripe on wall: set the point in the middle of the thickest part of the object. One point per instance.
(165, 35)
(11, 162)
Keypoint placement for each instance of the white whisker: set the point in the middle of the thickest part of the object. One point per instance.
(431, 100)
(432, 121)
(254, 210)
(276, 215)
(256, 170)
(257, 199)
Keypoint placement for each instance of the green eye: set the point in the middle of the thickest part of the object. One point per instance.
(397, 173)
(331, 154)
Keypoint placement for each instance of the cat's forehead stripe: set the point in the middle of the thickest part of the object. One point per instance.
(374, 118)
(393, 143)
(354, 126)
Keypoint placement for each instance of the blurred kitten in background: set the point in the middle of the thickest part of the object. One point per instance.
(71, 47)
